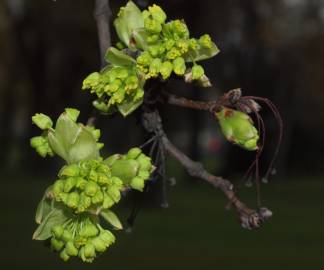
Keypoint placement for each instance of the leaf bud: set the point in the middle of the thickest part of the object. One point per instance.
(179, 66)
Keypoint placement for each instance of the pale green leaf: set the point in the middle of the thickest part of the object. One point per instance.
(118, 58)
(111, 218)
(127, 107)
(44, 207)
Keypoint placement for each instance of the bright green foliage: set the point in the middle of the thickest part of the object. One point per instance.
(42, 121)
(238, 128)
(87, 185)
(161, 47)
(70, 140)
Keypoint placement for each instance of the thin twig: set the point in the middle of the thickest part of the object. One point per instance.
(249, 218)
(102, 14)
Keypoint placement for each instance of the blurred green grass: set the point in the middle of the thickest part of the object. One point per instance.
(194, 233)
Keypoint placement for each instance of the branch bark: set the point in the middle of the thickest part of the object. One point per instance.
(102, 14)
(249, 218)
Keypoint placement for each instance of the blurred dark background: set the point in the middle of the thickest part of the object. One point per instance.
(269, 48)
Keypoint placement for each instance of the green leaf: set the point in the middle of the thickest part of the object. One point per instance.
(84, 147)
(118, 58)
(129, 19)
(67, 130)
(140, 38)
(42, 121)
(55, 217)
(44, 207)
(127, 107)
(111, 218)
(56, 143)
(72, 113)
(202, 53)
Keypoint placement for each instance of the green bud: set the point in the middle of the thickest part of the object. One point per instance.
(152, 26)
(179, 66)
(157, 13)
(64, 256)
(58, 187)
(69, 184)
(166, 69)
(133, 153)
(182, 45)
(37, 141)
(238, 128)
(98, 197)
(144, 59)
(103, 180)
(99, 244)
(92, 81)
(169, 43)
(114, 193)
(42, 121)
(100, 105)
(173, 53)
(73, 200)
(67, 236)
(180, 28)
(197, 72)
(107, 237)
(84, 202)
(125, 169)
(56, 244)
(57, 231)
(144, 174)
(70, 249)
(89, 251)
(89, 230)
(113, 87)
(155, 67)
(70, 170)
(93, 175)
(107, 202)
(131, 83)
(205, 41)
(193, 44)
(137, 183)
(145, 14)
(91, 188)
(152, 39)
(80, 183)
(112, 159)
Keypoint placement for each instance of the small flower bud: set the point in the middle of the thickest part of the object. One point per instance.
(57, 231)
(179, 66)
(91, 188)
(67, 236)
(73, 200)
(152, 26)
(137, 183)
(166, 69)
(197, 72)
(133, 153)
(64, 256)
(69, 184)
(99, 244)
(89, 251)
(70, 170)
(107, 202)
(56, 244)
(205, 41)
(107, 237)
(70, 249)
(157, 13)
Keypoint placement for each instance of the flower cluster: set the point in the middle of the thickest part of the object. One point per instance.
(169, 46)
(114, 85)
(238, 128)
(41, 145)
(88, 185)
(82, 237)
(134, 168)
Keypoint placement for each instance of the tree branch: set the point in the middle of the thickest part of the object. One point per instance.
(102, 14)
(249, 218)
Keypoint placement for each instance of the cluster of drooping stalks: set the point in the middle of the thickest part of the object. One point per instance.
(159, 47)
(87, 187)
(82, 237)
